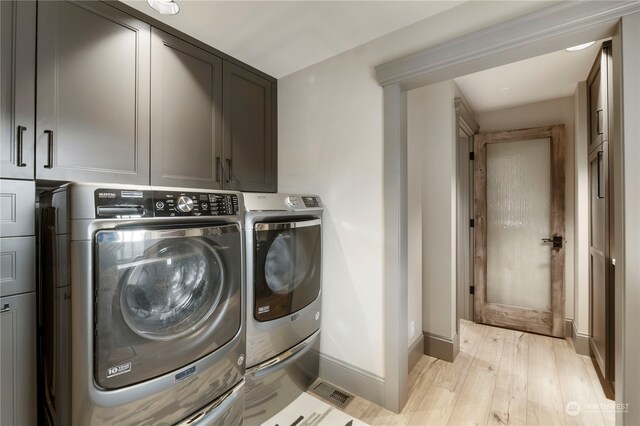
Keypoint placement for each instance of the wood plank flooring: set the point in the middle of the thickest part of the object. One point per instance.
(500, 377)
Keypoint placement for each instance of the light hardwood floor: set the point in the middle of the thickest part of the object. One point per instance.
(500, 377)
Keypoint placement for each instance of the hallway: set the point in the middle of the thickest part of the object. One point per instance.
(500, 377)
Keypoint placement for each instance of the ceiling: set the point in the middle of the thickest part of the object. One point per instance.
(281, 37)
(537, 79)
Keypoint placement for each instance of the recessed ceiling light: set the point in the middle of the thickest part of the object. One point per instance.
(579, 47)
(166, 7)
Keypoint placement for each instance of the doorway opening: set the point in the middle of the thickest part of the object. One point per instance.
(527, 37)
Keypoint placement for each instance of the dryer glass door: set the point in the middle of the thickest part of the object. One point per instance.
(287, 267)
(164, 298)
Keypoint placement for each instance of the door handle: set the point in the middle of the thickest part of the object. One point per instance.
(228, 160)
(599, 122)
(556, 240)
(49, 164)
(599, 169)
(218, 169)
(21, 130)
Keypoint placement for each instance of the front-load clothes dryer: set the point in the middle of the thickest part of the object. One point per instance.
(142, 306)
(284, 271)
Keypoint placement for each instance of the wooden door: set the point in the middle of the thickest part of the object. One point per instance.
(519, 202)
(186, 114)
(17, 97)
(93, 94)
(250, 156)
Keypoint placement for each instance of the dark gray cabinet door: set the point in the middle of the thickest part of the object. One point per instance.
(250, 156)
(597, 83)
(93, 94)
(18, 360)
(17, 97)
(186, 114)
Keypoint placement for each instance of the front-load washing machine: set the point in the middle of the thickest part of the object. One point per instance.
(141, 306)
(284, 265)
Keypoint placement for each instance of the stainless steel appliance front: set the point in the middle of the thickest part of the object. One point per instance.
(142, 313)
(284, 289)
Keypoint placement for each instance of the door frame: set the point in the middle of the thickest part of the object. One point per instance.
(466, 123)
(548, 30)
(536, 321)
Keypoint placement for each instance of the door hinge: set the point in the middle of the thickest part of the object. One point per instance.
(472, 223)
(472, 156)
(472, 289)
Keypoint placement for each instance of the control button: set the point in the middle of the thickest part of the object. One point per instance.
(185, 204)
(159, 205)
(204, 206)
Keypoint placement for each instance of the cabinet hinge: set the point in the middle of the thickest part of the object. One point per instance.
(472, 290)
(472, 223)
(472, 156)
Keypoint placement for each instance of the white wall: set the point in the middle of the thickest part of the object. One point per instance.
(547, 113)
(330, 142)
(431, 125)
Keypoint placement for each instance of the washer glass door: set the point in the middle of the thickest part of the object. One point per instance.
(287, 267)
(164, 298)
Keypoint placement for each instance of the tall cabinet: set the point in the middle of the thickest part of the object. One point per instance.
(601, 265)
(17, 220)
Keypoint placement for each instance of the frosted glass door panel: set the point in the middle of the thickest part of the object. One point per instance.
(518, 218)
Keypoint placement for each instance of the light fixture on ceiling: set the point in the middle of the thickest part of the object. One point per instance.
(579, 47)
(166, 7)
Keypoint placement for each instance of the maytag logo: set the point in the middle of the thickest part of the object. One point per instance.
(184, 374)
(106, 195)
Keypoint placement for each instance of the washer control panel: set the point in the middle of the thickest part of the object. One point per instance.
(168, 203)
(116, 203)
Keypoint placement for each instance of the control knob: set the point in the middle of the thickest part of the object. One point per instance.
(185, 204)
(292, 201)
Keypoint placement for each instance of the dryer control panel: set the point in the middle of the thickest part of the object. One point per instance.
(117, 203)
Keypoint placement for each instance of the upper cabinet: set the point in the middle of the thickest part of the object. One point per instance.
(250, 155)
(17, 97)
(186, 114)
(597, 83)
(121, 102)
(92, 111)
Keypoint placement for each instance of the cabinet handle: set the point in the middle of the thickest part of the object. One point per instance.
(5, 308)
(218, 169)
(21, 130)
(49, 164)
(599, 121)
(228, 160)
(599, 167)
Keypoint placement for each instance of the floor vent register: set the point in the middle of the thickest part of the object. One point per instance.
(330, 393)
